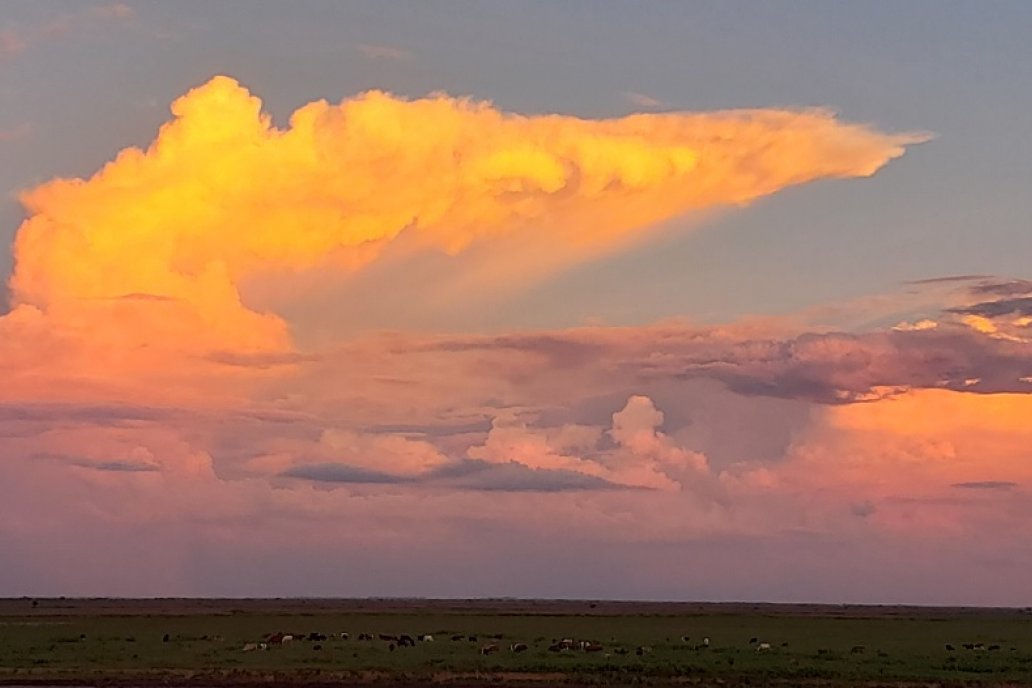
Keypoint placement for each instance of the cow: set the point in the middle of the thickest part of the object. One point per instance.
(753, 640)
(316, 637)
(620, 650)
(705, 641)
(643, 650)
(406, 641)
(365, 636)
(993, 648)
(949, 648)
(518, 647)
(763, 647)
(345, 636)
(592, 646)
(426, 638)
(857, 650)
(489, 649)
(458, 637)
(685, 638)
(556, 647)
(165, 638)
(472, 639)
(568, 643)
(968, 646)
(250, 647)
(388, 638)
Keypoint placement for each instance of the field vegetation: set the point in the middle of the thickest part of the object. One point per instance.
(85, 641)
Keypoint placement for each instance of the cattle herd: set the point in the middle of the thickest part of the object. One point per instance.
(491, 644)
(485, 645)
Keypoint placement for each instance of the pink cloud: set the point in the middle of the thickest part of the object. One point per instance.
(11, 43)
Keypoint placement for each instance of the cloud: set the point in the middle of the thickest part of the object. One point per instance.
(153, 403)
(384, 52)
(11, 43)
(1021, 306)
(340, 473)
(200, 216)
(515, 477)
(640, 455)
(119, 466)
(139, 463)
(643, 101)
(986, 485)
(14, 43)
(114, 10)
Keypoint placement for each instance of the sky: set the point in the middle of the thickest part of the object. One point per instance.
(666, 301)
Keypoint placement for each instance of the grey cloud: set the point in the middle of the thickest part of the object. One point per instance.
(560, 351)
(1009, 287)
(328, 472)
(843, 368)
(111, 465)
(949, 278)
(119, 466)
(435, 430)
(828, 368)
(863, 509)
(98, 414)
(986, 485)
(467, 474)
(515, 477)
(1021, 305)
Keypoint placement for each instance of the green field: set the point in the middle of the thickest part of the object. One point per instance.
(91, 641)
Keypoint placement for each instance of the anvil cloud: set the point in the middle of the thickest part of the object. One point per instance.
(152, 252)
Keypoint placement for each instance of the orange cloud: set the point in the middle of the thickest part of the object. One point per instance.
(148, 255)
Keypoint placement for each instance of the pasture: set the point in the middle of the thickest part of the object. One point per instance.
(132, 641)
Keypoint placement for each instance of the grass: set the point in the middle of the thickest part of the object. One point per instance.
(803, 645)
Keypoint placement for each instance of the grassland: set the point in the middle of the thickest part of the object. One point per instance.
(120, 642)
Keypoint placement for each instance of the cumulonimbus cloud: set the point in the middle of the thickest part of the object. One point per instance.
(151, 251)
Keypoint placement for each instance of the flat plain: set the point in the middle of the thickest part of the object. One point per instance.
(227, 642)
